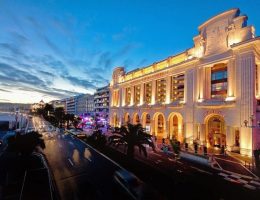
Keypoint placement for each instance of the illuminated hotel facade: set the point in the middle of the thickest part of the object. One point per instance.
(209, 93)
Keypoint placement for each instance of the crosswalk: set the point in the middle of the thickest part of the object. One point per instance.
(246, 182)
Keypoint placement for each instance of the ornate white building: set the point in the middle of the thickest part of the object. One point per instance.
(209, 93)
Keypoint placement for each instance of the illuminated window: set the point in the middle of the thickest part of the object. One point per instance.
(148, 92)
(219, 81)
(128, 96)
(137, 93)
(115, 98)
(161, 90)
(177, 88)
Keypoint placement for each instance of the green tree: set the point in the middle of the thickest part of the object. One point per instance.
(132, 136)
(25, 144)
(59, 115)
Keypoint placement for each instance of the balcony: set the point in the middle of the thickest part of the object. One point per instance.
(216, 102)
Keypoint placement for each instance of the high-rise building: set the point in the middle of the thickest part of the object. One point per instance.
(101, 102)
(85, 104)
(71, 105)
(208, 94)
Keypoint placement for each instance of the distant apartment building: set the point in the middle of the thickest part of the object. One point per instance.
(90, 105)
(84, 104)
(13, 107)
(101, 101)
(71, 105)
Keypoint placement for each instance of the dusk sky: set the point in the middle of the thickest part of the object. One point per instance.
(52, 49)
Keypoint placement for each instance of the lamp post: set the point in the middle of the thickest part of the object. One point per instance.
(247, 125)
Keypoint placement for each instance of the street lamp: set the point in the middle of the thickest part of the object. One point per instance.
(247, 125)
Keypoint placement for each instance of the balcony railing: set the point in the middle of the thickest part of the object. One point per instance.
(215, 102)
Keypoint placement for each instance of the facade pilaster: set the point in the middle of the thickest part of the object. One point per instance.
(153, 101)
(231, 78)
(132, 95)
(201, 82)
(122, 97)
(168, 89)
(247, 74)
(207, 82)
(142, 94)
(258, 80)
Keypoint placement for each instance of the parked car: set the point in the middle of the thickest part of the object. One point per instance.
(129, 182)
(134, 187)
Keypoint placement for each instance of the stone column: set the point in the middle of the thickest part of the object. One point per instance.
(168, 90)
(229, 137)
(142, 94)
(203, 134)
(153, 100)
(123, 96)
(165, 129)
(201, 82)
(132, 95)
(258, 79)
(231, 78)
(207, 83)
(246, 72)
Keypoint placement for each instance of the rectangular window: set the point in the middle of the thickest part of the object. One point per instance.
(177, 88)
(148, 92)
(161, 90)
(128, 96)
(137, 94)
(219, 82)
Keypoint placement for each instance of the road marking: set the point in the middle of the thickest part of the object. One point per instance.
(158, 161)
(72, 164)
(256, 183)
(88, 159)
(200, 170)
(223, 174)
(250, 187)
(242, 181)
(156, 154)
(235, 176)
(231, 180)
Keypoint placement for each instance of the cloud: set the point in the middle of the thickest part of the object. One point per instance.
(11, 48)
(19, 38)
(125, 33)
(4, 100)
(3, 90)
(80, 82)
(14, 75)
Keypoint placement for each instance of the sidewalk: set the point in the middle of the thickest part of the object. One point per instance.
(230, 163)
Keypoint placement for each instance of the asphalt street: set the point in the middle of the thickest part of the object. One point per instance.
(79, 171)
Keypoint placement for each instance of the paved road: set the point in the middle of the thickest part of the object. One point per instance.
(82, 173)
(79, 171)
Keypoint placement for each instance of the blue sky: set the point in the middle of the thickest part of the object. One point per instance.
(51, 49)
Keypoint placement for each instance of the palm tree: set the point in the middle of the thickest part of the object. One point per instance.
(131, 136)
(59, 115)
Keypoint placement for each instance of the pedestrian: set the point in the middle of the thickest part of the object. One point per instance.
(165, 149)
(223, 150)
